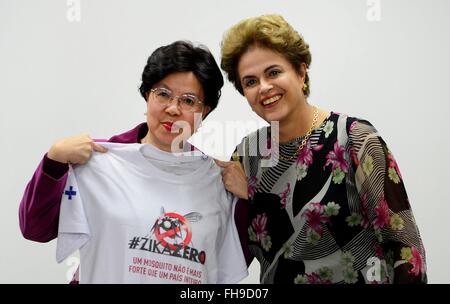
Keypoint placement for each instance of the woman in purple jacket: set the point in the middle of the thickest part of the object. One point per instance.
(193, 75)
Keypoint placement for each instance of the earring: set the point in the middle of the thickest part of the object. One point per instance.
(305, 87)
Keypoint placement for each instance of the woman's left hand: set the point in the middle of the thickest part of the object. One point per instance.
(234, 178)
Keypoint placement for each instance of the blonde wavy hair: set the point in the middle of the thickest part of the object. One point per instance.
(268, 31)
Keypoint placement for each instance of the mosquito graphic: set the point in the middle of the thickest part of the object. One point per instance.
(174, 226)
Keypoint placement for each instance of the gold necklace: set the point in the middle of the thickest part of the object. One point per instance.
(306, 138)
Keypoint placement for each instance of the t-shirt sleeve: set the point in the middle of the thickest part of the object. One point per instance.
(232, 266)
(73, 231)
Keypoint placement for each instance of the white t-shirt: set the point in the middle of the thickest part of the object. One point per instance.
(141, 215)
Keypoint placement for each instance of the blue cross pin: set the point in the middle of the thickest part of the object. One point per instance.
(70, 192)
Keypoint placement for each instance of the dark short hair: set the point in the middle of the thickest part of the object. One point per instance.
(183, 56)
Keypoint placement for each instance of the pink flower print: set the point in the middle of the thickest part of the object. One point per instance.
(252, 184)
(337, 158)
(378, 249)
(284, 196)
(259, 225)
(393, 164)
(317, 148)
(382, 212)
(305, 156)
(417, 262)
(316, 218)
(314, 278)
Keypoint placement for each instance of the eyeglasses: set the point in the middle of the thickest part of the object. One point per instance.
(186, 102)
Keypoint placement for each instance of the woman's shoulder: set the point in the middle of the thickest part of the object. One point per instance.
(358, 132)
(131, 136)
(352, 124)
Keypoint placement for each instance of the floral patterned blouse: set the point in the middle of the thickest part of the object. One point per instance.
(336, 213)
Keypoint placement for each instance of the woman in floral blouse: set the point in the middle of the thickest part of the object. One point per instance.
(326, 200)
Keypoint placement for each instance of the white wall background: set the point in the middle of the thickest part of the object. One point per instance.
(61, 78)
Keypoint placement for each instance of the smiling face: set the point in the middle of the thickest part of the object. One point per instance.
(271, 85)
(161, 120)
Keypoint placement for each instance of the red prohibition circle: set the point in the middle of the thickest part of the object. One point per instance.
(184, 225)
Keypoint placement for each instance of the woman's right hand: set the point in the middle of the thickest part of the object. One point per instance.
(75, 149)
(234, 178)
